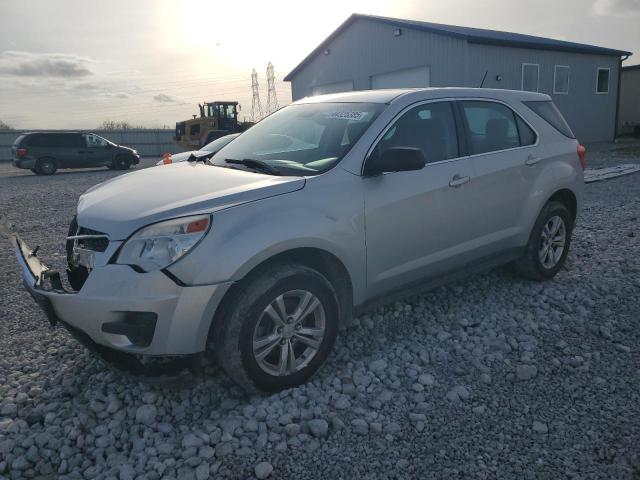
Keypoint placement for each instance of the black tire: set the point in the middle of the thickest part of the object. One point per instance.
(46, 166)
(121, 163)
(530, 265)
(33, 170)
(234, 338)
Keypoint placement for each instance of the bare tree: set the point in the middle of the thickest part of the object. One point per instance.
(5, 126)
(118, 125)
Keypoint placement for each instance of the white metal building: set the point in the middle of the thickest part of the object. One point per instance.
(369, 52)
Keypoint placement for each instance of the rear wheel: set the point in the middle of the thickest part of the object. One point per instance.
(46, 166)
(121, 163)
(548, 244)
(280, 329)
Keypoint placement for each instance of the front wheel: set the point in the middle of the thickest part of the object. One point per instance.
(548, 244)
(280, 329)
(121, 163)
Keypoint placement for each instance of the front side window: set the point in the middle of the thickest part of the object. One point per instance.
(530, 77)
(602, 85)
(491, 127)
(561, 80)
(430, 127)
(94, 141)
(302, 139)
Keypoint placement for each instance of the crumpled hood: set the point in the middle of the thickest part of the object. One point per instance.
(128, 202)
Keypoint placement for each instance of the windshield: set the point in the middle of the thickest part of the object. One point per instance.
(217, 144)
(305, 139)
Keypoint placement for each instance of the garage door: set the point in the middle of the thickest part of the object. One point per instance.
(333, 88)
(407, 78)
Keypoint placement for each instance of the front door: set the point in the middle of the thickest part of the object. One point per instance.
(415, 221)
(98, 151)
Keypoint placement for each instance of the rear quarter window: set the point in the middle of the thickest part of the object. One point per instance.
(38, 141)
(548, 111)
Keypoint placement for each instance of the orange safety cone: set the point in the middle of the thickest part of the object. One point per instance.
(166, 158)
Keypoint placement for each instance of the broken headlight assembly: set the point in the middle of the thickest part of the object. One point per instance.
(158, 245)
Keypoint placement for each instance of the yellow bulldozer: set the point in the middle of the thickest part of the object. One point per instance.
(216, 120)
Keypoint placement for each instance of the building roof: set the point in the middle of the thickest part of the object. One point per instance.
(472, 35)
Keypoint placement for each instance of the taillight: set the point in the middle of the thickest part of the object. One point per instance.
(22, 152)
(582, 155)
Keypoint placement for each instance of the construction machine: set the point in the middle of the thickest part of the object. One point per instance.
(216, 120)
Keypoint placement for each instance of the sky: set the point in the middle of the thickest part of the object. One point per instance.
(75, 64)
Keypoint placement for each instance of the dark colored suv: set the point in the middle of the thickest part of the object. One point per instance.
(44, 152)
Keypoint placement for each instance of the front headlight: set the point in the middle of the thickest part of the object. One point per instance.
(158, 245)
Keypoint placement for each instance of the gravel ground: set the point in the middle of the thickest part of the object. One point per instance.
(492, 377)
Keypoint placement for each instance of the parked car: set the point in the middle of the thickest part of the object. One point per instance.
(209, 150)
(260, 258)
(45, 152)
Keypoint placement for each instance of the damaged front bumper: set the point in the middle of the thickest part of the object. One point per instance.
(122, 310)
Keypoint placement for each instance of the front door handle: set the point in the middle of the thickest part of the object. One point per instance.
(458, 181)
(532, 160)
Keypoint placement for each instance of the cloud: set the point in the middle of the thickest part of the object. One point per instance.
(115, 95)
(50, 65)
(616, 7)
(164, 98)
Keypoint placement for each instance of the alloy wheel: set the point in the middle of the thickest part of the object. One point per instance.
(552, 242)
(289, 333)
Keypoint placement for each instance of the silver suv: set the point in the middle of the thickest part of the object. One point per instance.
(260, 254)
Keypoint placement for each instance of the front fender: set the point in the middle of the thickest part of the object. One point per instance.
(325, 215)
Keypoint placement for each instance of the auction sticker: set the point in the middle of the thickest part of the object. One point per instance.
(347, 115)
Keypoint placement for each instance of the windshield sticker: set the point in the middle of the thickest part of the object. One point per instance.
(357, 116)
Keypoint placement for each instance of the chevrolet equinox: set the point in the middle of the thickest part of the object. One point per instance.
(262, 253)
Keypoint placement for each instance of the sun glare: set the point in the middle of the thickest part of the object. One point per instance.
(247, 35)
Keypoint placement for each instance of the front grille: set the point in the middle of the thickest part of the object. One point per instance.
(95, 244)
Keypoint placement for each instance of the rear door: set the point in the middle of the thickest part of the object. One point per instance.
(415, 221)
(69, 149)
(503, 151)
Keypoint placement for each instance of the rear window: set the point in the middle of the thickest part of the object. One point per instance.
(550, 113)
(18, 140)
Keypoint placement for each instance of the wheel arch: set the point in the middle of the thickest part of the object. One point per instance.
(567, 198)
(326, 263)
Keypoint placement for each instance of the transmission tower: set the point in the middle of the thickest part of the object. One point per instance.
(256, 106)
(272, 99)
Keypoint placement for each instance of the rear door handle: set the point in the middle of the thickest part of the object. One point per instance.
(532, 160)
(458, 181)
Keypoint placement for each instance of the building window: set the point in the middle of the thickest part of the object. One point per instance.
(602, 82)
(561, 80)
(530, 77)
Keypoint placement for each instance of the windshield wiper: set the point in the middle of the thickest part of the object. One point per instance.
(255, 164)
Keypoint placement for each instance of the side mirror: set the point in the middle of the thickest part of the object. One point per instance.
(395, 159)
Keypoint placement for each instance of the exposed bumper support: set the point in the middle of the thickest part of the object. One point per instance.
(123, 310)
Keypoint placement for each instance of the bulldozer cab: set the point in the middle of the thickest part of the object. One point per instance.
(216, 120)
(225, 114)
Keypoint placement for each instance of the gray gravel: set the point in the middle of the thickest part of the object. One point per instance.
(492, 377)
